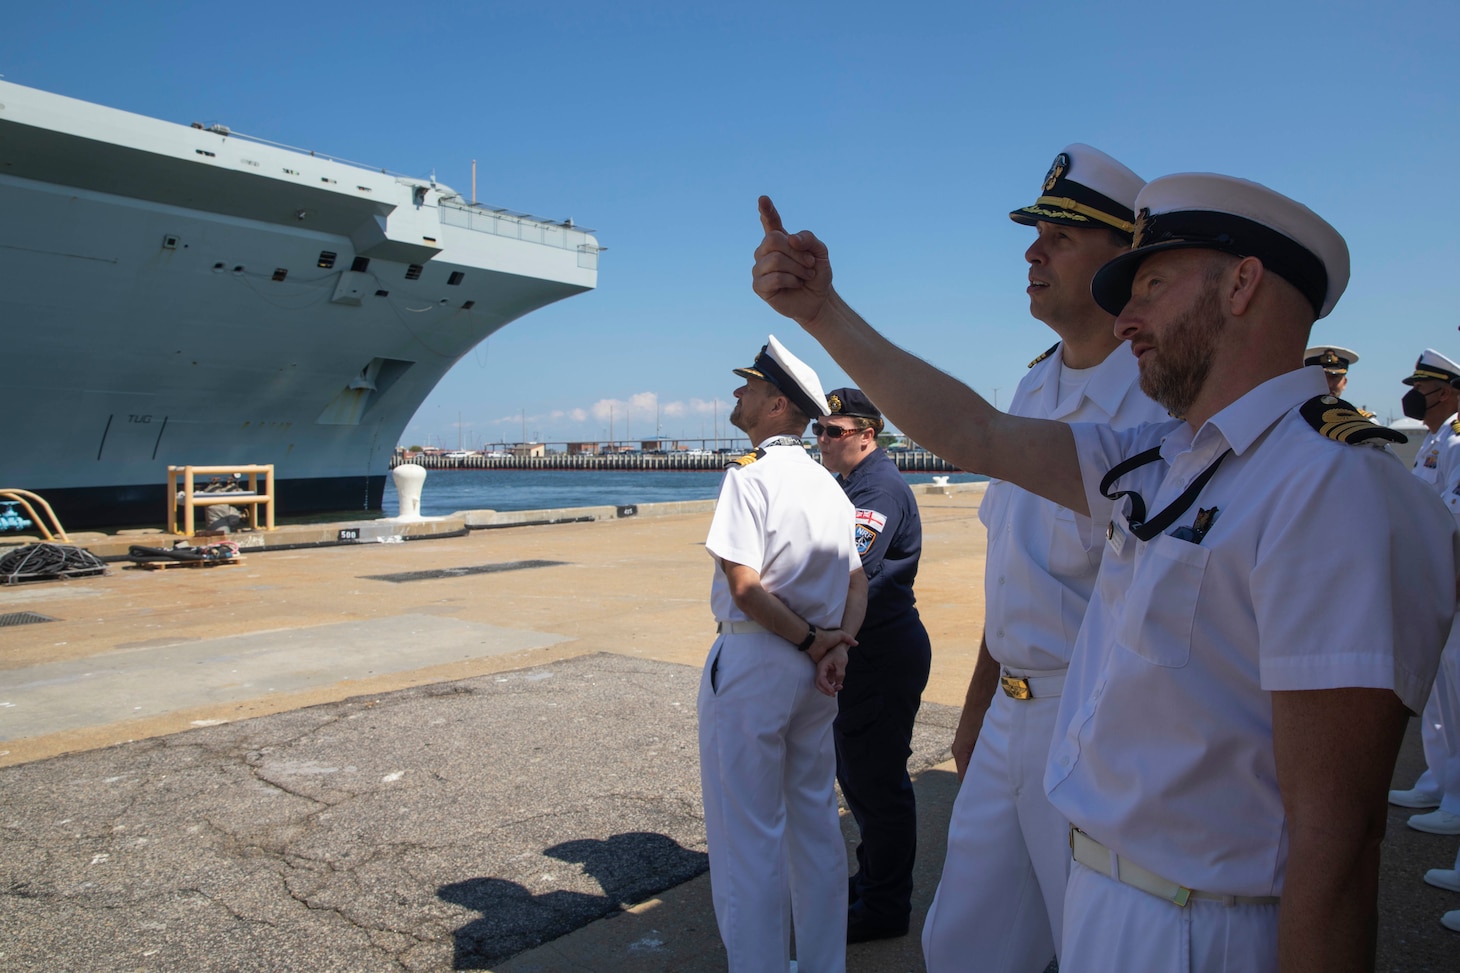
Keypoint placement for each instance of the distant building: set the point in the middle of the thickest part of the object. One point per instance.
(528, 450)
(584, 449)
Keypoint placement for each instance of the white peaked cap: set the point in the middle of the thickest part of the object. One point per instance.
(1204, 210)
(795, 379)
(1085, 187)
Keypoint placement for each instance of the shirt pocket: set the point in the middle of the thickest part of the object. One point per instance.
(1160, 610)
(1068, 557)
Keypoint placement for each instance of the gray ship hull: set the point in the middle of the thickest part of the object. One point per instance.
(174, 295)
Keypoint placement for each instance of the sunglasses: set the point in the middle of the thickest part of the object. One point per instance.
(831, 432)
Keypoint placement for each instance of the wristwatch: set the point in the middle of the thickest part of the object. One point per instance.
(810, 637)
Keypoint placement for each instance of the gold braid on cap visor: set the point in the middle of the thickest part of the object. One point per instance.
(1064, 202)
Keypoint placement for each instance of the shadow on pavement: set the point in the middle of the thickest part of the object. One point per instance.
(629, 867)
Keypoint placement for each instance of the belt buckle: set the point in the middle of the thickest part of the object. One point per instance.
(1016, 687)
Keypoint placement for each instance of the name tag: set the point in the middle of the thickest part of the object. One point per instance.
(1115, 536)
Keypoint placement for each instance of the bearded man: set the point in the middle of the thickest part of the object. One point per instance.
(1225, 739)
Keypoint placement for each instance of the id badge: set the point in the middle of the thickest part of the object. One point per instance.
(1115, 536)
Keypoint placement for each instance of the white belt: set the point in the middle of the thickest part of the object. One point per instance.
(1032, 685)
(739, 628)
(1092, 854)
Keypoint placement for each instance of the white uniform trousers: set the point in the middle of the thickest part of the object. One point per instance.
(1432, 738)
(767, 770)
(1439, 728)
(1112, 926)
(1000, 901)
(1446, 698)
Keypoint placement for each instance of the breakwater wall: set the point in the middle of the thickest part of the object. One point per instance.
(909, 461)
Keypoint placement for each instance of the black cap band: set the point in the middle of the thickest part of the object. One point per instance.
(1207, 230)
(769, 369)
(1073, 204)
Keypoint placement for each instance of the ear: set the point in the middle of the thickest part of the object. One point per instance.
(1243, 281)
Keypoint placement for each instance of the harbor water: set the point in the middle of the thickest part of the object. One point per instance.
(448, 491)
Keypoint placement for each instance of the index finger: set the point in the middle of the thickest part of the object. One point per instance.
(770, 219)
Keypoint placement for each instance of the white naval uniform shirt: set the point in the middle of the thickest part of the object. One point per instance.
(1039, 574)
(1163, 747)
(786, 516)
(1438, 464)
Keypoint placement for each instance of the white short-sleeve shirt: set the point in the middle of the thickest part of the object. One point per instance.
(1438, 463)
(1039, 572)
(1163, 745)
(786, 516)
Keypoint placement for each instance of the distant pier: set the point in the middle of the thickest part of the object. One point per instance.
(909, 461)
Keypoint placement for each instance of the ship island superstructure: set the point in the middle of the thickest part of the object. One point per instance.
(174, 294)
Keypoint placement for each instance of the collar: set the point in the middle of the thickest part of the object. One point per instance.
(781, 441)
(866, 464)
(1107, 385)
(1243, 422)
(1113, 379)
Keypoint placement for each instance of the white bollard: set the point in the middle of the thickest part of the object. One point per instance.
(409, 479)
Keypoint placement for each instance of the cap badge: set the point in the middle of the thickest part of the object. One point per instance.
(834, 403)
(1143, 221)
(1057, 169)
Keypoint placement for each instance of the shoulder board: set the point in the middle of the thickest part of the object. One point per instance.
(1455, 426)
(1050, 351)
(745, 460)
(1369, 415)
(1336, 419)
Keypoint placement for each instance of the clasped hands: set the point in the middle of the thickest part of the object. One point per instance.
(829, 653)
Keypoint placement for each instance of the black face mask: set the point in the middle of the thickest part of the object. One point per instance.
(1415, 404)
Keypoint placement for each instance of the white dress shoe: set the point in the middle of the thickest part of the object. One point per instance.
(1443, 878)
(1436, 822)
(1451, 920)
(1414, 797)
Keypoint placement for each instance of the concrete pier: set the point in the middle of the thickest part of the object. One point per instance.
(475, 750)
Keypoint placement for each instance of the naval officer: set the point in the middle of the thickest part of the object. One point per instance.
(1432, 399)
(886, 673)
(1335, 362)
(1224, 739)
(788, 595)
(1446, 699)
(1002, 890)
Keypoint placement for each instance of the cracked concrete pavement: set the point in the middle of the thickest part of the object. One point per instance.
(447, 826)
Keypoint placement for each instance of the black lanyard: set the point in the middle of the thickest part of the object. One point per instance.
(1139, 526)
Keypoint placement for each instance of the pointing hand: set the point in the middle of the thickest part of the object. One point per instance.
(792, 272)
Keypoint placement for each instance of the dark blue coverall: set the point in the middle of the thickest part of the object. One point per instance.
(879, 700)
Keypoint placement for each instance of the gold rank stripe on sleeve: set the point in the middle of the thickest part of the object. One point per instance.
(1341, 422)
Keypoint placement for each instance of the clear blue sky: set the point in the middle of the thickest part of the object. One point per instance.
(901, 133)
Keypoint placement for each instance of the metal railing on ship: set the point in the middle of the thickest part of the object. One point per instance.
(909, 461)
